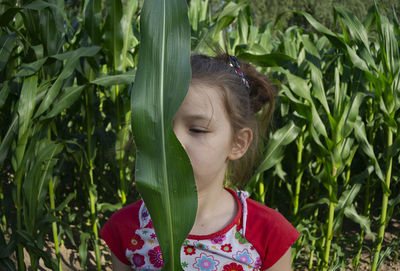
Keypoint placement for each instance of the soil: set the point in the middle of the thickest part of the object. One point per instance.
(70, 256)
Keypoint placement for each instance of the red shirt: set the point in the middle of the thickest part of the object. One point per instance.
(256, 238)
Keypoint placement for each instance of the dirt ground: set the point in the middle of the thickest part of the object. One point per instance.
(70, 256)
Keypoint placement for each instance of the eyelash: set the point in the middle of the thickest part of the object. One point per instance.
(197, 131)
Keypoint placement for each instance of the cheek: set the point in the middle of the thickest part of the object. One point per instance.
(206, 160)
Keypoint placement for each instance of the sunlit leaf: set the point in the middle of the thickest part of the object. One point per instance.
(163, 170)
(274, 151)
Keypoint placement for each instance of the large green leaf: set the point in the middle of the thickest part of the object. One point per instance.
(28, 69)
(164, 176)
(114, 39)
(274, 151)
(276, 146)
(335, 39)
(67, 98)
(367, 148)
(129, 10)
(72, 61)
(7, 44)
(227, 15)
(93, 20)
(26, 105)
(7, 139)
(110, 80)
(40, 163)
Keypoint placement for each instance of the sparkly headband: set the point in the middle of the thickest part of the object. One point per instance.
(234, 63)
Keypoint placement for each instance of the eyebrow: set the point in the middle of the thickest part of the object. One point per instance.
(197, 117)
(200, 117)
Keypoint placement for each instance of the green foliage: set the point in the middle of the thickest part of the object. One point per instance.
(164, 176)
(332, 158)
(283, 12)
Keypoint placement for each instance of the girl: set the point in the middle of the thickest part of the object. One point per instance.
(216, 125)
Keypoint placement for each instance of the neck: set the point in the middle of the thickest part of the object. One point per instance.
(208, 201)
(216, 209)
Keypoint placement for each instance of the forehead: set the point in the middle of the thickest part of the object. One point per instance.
(203, 99)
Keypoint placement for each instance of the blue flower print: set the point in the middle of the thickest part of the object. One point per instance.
(145, 214)
(244, 257)
(205, 263)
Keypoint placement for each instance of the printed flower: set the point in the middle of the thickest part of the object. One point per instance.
(153, 236)
(138, 260)
(240, 238)
(156, 257)
(150, 225)
(243, 257)
(145, 213)
(184, 264)
(205, 263)
(232, 267)
(258, 262)
(226, 248)
(201, 246)
(218, 240)
(136, 242)
(189, 250)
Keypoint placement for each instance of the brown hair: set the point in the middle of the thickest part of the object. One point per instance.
(250, 106)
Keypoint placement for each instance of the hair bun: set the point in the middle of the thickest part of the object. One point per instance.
(261, 90)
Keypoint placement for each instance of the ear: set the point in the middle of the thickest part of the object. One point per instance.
(241, 143)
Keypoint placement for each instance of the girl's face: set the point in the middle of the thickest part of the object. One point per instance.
(203, 128)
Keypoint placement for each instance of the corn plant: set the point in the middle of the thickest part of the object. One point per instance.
(163, 170)
(45, 69)
(332, 155)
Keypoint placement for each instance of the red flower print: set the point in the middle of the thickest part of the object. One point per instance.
(138, 259)
(136, 242)
(153, 236)
(145, 214)
(156, 257)
(226, 248)
(150, 225)
(189, 250)
(232, 267)
(218, 239)
(201, 246)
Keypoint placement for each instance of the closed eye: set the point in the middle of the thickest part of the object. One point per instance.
(198, 131)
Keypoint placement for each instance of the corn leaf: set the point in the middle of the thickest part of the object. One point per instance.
(7, 139)
(28, 69)
(93, 20)
(73, 60)
(276, 146)
(110, 80)
(7, 44)
(113, 33)
(163, 174)
(67, 98)
(26, 106)
(335, 39)
(267, 60)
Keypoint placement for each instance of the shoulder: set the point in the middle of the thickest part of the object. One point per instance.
(269, 232)
(129, 213)
(118, 229)
(263, 215)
